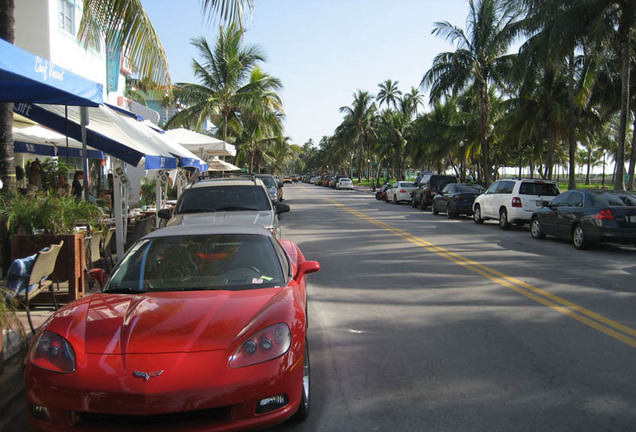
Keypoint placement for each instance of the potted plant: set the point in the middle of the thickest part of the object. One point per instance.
(12, 335)
(37, 221)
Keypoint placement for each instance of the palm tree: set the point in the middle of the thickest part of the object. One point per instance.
(478, 62)
(359, 123)
(389, 93)
(7, 168)
(229, 83)
(411, 101)
(126, 24)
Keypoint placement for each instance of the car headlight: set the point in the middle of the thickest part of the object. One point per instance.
(267, 344)
(52, 352)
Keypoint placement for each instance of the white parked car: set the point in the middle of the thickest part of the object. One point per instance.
(344, 183)
(400, 191)
(513, 201)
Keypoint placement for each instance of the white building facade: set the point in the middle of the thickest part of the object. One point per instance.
(49, 28)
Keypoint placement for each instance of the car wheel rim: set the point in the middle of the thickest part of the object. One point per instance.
(502, 218)
(578, 236)
(535, 229)
(477, 214)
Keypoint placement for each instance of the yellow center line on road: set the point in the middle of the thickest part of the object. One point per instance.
(603, 324)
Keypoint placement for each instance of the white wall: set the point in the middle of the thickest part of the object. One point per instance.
(38, 31)
(32, 27)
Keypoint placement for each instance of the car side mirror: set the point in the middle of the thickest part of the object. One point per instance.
(440, 193)
(282, 208)
(546, 204)
(305, 268)
(280, 185)
(165, 213)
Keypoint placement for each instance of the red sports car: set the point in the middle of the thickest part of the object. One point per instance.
(199, 328)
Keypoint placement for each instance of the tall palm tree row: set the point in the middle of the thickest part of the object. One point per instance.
(570, 86)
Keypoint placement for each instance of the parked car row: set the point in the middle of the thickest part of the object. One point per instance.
(584, 216)
(332, 181)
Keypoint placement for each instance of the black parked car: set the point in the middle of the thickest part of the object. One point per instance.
(586, 216)
(455, 199)
(429, 186)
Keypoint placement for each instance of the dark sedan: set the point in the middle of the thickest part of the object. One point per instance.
(455, 199)
(586, 216)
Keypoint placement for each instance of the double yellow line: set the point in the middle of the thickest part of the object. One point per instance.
(605, 325)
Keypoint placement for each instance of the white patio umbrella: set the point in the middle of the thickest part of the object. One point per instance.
(203, 144)
(220, 165)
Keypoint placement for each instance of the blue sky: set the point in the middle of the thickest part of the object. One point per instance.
(322, 50)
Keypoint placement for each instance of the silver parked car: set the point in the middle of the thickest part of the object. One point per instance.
(232, 201)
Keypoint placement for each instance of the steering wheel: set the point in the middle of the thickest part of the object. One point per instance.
(241, 274)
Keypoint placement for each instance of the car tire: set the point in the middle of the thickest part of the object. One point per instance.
(579, 239)
(413, 204)
(477, 215)
(503, 219)
(434, 210)
(423, 204)
(449, 212)
(535, 229)
(303, 409)
(395, 201)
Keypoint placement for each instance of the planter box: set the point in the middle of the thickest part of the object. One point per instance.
(69, 266)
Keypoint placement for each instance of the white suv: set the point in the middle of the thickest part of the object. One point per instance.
(513, 201)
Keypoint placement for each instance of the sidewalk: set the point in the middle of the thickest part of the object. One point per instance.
(366, 189)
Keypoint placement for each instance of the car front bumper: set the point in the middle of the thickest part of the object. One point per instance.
(197, 392)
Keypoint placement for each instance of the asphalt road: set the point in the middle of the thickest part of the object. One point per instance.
(420, 323)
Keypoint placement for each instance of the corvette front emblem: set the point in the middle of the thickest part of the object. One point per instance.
(147, 375)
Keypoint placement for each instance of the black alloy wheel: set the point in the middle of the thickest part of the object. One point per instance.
(535, 229)
(579, 239)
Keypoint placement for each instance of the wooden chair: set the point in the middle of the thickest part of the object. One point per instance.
(107, 248)
(94, 249)
(42, 269)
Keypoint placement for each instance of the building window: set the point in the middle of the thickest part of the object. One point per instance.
(67, 15)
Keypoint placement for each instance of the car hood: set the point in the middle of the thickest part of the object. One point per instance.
(263, 218)
(190, 321)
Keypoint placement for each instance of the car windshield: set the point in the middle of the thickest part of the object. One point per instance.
(612, 199)
(268, 181)
(405, 184)
(223, 198)
(201, 262)
(468, 188)
(543, 189)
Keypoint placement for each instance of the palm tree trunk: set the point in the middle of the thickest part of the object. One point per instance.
(7, 166)
(632, 159)
(549, 162)
(589, 165)
(483, 125)
(623, 34)
(571, 137)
